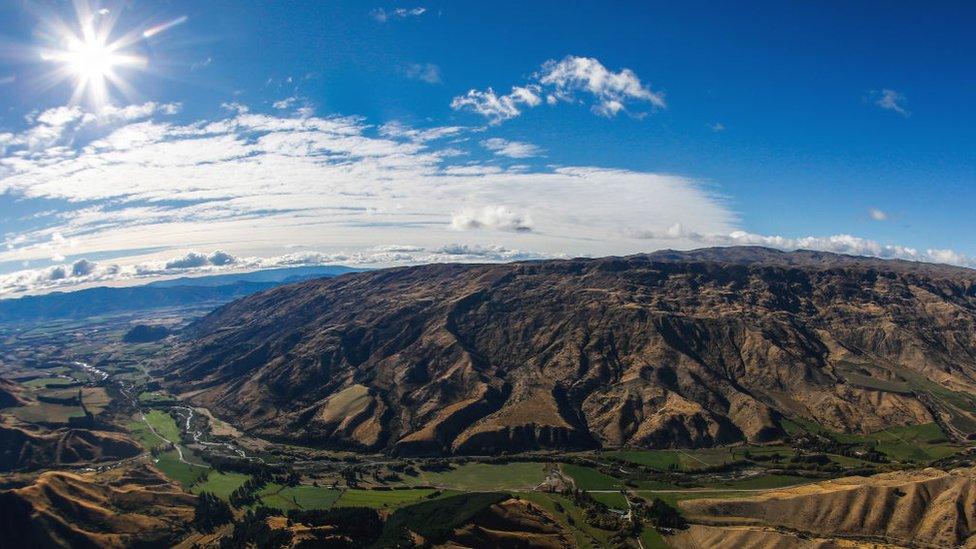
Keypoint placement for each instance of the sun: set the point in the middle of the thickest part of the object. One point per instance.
(91, 60)
(88, 53)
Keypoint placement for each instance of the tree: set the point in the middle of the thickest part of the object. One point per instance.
(210, 512)
(663, 515)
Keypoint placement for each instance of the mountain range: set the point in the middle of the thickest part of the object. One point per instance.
(669, 349)
(203, 291)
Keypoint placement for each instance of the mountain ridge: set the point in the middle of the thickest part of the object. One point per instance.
(667, 349)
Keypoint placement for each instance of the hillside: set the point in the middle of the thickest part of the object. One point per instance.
(669, 349)
(134, 507)
(21, 449)
(928, 508)
(11, 394)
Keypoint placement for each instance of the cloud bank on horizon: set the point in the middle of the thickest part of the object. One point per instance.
(123, 192)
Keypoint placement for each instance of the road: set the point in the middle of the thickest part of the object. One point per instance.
(179, 449)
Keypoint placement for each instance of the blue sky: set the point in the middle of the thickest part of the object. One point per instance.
(282, 133)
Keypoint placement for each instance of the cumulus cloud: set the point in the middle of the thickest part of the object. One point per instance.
(425, 72)
(498, 218)
(612, 90)
(194, 259)
(891, 100)
(498, 108)
(511, 149)
(84, 272)
(840, 243)
(82, 267)
(878, 215)
(565, 80)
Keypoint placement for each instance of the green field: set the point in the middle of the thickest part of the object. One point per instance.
(171, 466)
(662, 460)
(652, 539)
(761, 482)
(42, 382)
(570, 518)
(303, 496)
(613, 500)
(221, 484)
(435, 519)
(164, 424)
(587, 478)
(152, 397)
(911, 443)
(378, 499)
(485, 476)
(917, 443)
(46, 412)
(688, 460)
(149, 440)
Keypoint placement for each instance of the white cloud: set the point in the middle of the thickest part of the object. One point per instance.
(511, 149)
(285, 103)
(562, 81)
(612, 90)
(878, 215)
(253, 184)
(193, 259)
(491, 217)
(382, 15)
(716, 127)
(891, 100)
(840, 243)
(401, 131)
(425, 72)
(88, 273)
(82, 267)
(498, 108)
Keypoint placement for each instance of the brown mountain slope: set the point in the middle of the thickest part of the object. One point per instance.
(118, 508)
(11, 394)
(929, 508)
(21, 449)
(667, 349)
(511, 523)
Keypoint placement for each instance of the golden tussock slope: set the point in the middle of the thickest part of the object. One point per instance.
(118, 508)
(927, 508)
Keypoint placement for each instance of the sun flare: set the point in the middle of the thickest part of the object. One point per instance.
(85, 55)
(90, 59)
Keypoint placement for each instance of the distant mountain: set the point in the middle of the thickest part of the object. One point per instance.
(205, 291)
(280, 276)
(670, 349)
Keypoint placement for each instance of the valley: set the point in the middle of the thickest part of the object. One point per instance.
(85, 408)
